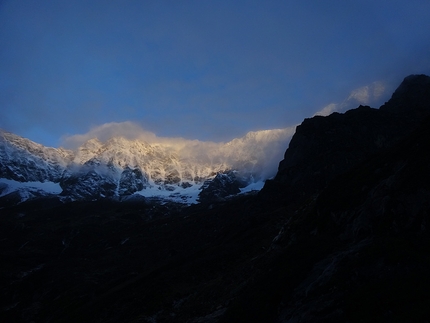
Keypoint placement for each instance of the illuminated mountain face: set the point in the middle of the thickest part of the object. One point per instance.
(121, 167)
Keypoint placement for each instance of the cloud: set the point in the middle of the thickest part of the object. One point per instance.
(366, 95)
(327, 110)
(104, 132)
(258, 152)
(263, 150)
(133, 131)
(360, 95)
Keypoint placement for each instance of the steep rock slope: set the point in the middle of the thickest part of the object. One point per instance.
(371, 225)
(324, 147)
(354, 241)
(26, 161)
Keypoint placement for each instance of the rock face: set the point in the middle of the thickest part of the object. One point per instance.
(132, 180)
(324, 147)
(354, 247)
(224, 184)
(372, 222)
(388, 193)
(90, 182)
(26, 161)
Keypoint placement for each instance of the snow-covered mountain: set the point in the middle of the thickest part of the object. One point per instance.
(119, 167)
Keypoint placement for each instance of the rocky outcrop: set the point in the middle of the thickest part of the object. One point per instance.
(387, 193)
(132, 180)
(26, 161)
(372, 223)
(87, 185)
(224, 184)
(93, 180)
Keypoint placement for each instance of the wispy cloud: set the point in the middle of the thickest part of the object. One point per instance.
(258, 152)
(104, 132)
(366, 95)
(327, 110)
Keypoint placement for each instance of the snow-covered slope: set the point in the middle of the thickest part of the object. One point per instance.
(121, 167)
(25, 161)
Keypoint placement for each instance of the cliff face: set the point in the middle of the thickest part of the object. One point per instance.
(324, 147)
(370, 227)
(355, 196)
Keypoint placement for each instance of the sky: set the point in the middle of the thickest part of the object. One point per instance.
(205, 70)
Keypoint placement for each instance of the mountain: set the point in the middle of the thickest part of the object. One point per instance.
(26, 161)
(121, 167)
(353, 190)
(324, 147)
(355, 252)
(341, 234)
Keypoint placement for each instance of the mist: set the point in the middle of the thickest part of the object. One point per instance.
(258, 152)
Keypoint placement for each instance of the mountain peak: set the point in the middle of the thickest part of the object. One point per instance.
(412, 96)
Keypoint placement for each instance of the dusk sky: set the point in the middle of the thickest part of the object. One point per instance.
(206, 70)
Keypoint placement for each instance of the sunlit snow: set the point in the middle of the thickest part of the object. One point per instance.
(170, 169)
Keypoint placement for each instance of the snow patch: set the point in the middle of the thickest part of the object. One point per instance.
(8, 186)
(187, 195)
(257, 186)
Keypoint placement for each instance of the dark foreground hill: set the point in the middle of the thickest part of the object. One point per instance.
(340, 235)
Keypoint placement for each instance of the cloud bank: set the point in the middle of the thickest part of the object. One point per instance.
(258, 152)
(104, 132)
(366, 95)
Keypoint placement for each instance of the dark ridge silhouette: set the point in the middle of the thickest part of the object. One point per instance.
(340, 235)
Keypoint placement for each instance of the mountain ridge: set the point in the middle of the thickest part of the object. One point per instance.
(324, 147)
(96, 169)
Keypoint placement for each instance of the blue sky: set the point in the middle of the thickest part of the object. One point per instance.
(207, 70)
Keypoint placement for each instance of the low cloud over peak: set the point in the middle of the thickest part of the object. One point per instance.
(261, 151)
(370, 94)
(104, 132)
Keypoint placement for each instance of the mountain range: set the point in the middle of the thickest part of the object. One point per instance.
(340, 234)
(120, 167)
